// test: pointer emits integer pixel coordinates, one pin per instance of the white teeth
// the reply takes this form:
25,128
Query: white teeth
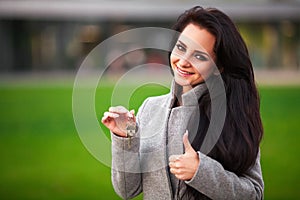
183,72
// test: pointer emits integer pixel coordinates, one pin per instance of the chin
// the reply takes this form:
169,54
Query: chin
182,82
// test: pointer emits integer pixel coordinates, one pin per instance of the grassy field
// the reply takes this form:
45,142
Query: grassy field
42,156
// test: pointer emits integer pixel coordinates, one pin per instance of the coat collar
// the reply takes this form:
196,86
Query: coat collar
190,98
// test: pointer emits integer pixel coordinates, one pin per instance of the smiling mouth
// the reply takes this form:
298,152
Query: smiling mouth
182,72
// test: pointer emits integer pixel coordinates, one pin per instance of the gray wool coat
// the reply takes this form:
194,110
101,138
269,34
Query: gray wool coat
140,164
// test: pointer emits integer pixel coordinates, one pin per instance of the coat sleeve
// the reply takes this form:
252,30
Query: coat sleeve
126,170
215,182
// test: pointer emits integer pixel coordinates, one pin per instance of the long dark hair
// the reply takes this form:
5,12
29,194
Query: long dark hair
238,145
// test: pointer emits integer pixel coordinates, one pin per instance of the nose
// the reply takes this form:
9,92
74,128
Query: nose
183,62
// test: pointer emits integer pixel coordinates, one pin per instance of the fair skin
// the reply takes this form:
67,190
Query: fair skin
109,117
191,57
192,64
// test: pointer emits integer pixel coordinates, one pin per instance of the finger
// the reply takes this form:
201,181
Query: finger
110,114
180,176
172,170
175,171
186,142
175,165
104,119
131,114
174,158
118,109
172,164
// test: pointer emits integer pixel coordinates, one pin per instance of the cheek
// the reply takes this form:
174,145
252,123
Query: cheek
206,69
173,60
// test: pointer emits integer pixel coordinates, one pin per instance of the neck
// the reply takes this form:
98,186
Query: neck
187,88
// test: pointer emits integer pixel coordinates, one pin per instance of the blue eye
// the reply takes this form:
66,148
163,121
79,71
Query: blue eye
180,47
201,57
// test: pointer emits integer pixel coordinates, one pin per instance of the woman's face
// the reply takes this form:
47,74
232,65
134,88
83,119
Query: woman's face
192,59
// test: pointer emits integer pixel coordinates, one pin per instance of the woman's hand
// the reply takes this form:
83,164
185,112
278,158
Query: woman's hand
115,121
184,166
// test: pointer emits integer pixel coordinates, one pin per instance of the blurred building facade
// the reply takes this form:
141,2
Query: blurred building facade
57,35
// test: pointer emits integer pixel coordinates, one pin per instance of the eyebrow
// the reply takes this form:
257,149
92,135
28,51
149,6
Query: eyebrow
198,51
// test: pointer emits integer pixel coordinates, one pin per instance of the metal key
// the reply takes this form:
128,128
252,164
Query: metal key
130,129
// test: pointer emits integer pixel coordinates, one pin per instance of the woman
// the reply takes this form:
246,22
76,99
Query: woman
159,159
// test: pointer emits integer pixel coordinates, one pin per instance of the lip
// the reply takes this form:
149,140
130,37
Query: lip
183,72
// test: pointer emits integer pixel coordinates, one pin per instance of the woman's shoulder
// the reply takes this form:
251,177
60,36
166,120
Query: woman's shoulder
156,102
154,105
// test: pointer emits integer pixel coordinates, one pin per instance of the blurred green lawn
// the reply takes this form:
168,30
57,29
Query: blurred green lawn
42,156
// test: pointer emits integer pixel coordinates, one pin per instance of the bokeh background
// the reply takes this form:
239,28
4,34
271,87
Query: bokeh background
42,45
